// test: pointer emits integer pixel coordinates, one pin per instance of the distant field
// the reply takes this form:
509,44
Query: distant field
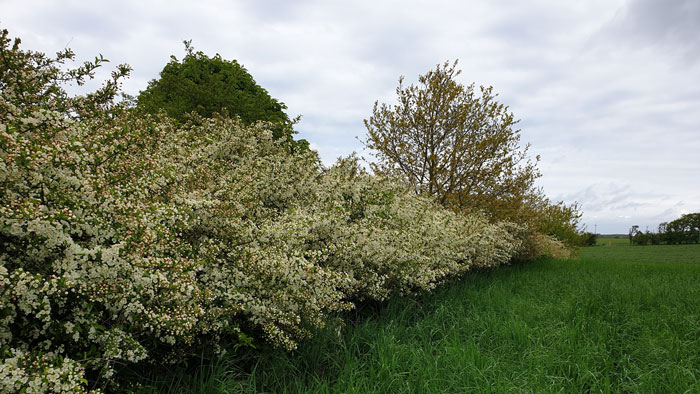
617,319
612,241
619,249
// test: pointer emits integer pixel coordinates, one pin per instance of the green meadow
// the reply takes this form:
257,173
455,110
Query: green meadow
619,249
618,318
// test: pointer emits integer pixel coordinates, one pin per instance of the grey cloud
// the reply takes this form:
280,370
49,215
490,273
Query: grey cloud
604,88
276,10
599,197
614,208
669,24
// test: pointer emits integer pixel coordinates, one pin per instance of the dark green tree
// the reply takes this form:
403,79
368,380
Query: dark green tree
207,85
632,232
685,229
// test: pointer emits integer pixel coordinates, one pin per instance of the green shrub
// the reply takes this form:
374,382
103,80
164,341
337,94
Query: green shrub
204,86
588,239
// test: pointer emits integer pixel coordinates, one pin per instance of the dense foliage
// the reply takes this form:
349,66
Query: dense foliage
460,146
449,141
129,239
589,239
684,230
208,85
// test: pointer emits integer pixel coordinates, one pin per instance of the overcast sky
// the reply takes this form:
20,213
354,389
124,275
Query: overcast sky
608,91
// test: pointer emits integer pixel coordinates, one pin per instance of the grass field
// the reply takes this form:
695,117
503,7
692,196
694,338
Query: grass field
619,249
616,319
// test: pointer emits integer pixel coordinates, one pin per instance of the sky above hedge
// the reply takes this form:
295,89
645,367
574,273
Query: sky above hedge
608,91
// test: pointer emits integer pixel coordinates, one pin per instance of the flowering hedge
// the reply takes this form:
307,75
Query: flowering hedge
126,240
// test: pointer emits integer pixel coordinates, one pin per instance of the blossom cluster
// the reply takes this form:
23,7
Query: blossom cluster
125,239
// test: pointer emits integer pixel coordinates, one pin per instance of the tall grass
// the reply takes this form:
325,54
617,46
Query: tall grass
605,322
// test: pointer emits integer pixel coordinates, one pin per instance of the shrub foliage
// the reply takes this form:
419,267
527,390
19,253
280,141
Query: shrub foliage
129,240
684,230
461,146
450,141
203,85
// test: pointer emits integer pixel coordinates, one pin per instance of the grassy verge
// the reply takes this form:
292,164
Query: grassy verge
617,319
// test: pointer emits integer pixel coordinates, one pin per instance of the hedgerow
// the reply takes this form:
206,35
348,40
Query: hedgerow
127,240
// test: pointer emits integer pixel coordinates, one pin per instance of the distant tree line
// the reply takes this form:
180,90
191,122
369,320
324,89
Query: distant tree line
684,230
